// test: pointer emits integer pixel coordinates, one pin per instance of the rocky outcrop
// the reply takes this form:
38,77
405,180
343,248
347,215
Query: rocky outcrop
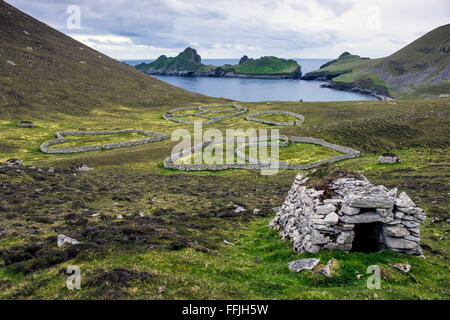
363,86
303,264
351,215
62,240
14,163
244,59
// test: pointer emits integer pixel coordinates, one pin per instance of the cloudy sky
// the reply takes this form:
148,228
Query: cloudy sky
144,29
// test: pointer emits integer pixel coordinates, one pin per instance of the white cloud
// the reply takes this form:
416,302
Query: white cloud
229,29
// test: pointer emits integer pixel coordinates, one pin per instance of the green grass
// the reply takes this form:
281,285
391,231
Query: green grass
415,131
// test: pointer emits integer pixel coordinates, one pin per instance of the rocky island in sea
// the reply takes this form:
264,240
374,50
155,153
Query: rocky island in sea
189,63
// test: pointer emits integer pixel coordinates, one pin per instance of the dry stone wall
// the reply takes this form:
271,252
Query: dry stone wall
314,222
204,110
60,139
300,118
253,163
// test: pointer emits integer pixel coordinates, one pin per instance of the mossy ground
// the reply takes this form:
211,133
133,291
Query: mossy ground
179,243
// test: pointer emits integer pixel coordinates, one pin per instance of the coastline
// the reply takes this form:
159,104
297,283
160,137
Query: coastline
353,88
293,76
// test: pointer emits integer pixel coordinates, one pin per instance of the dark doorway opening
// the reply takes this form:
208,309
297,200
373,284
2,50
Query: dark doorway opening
368,237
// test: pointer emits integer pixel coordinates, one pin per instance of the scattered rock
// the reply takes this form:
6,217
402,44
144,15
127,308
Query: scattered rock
51,169
11,62
303,264
161,289
388,159
84,168
62,240
256,211
228,242
12,163
329,268
403,267
239,209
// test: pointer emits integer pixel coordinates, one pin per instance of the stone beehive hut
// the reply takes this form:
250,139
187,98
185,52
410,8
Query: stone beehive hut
351,215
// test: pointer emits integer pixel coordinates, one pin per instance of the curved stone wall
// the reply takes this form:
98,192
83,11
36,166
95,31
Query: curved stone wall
241,153
253,117
178,118
256,164
60,139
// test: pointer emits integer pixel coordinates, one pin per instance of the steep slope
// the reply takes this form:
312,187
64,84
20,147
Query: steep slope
43,72
188,63
421,69
334,68
422,65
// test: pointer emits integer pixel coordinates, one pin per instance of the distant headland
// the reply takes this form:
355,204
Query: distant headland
189,63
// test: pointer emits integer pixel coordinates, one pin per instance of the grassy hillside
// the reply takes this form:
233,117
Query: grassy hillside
421,69
179,243
429,51
342,65
44,73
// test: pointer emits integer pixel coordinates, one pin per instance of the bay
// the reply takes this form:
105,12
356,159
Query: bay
248,90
